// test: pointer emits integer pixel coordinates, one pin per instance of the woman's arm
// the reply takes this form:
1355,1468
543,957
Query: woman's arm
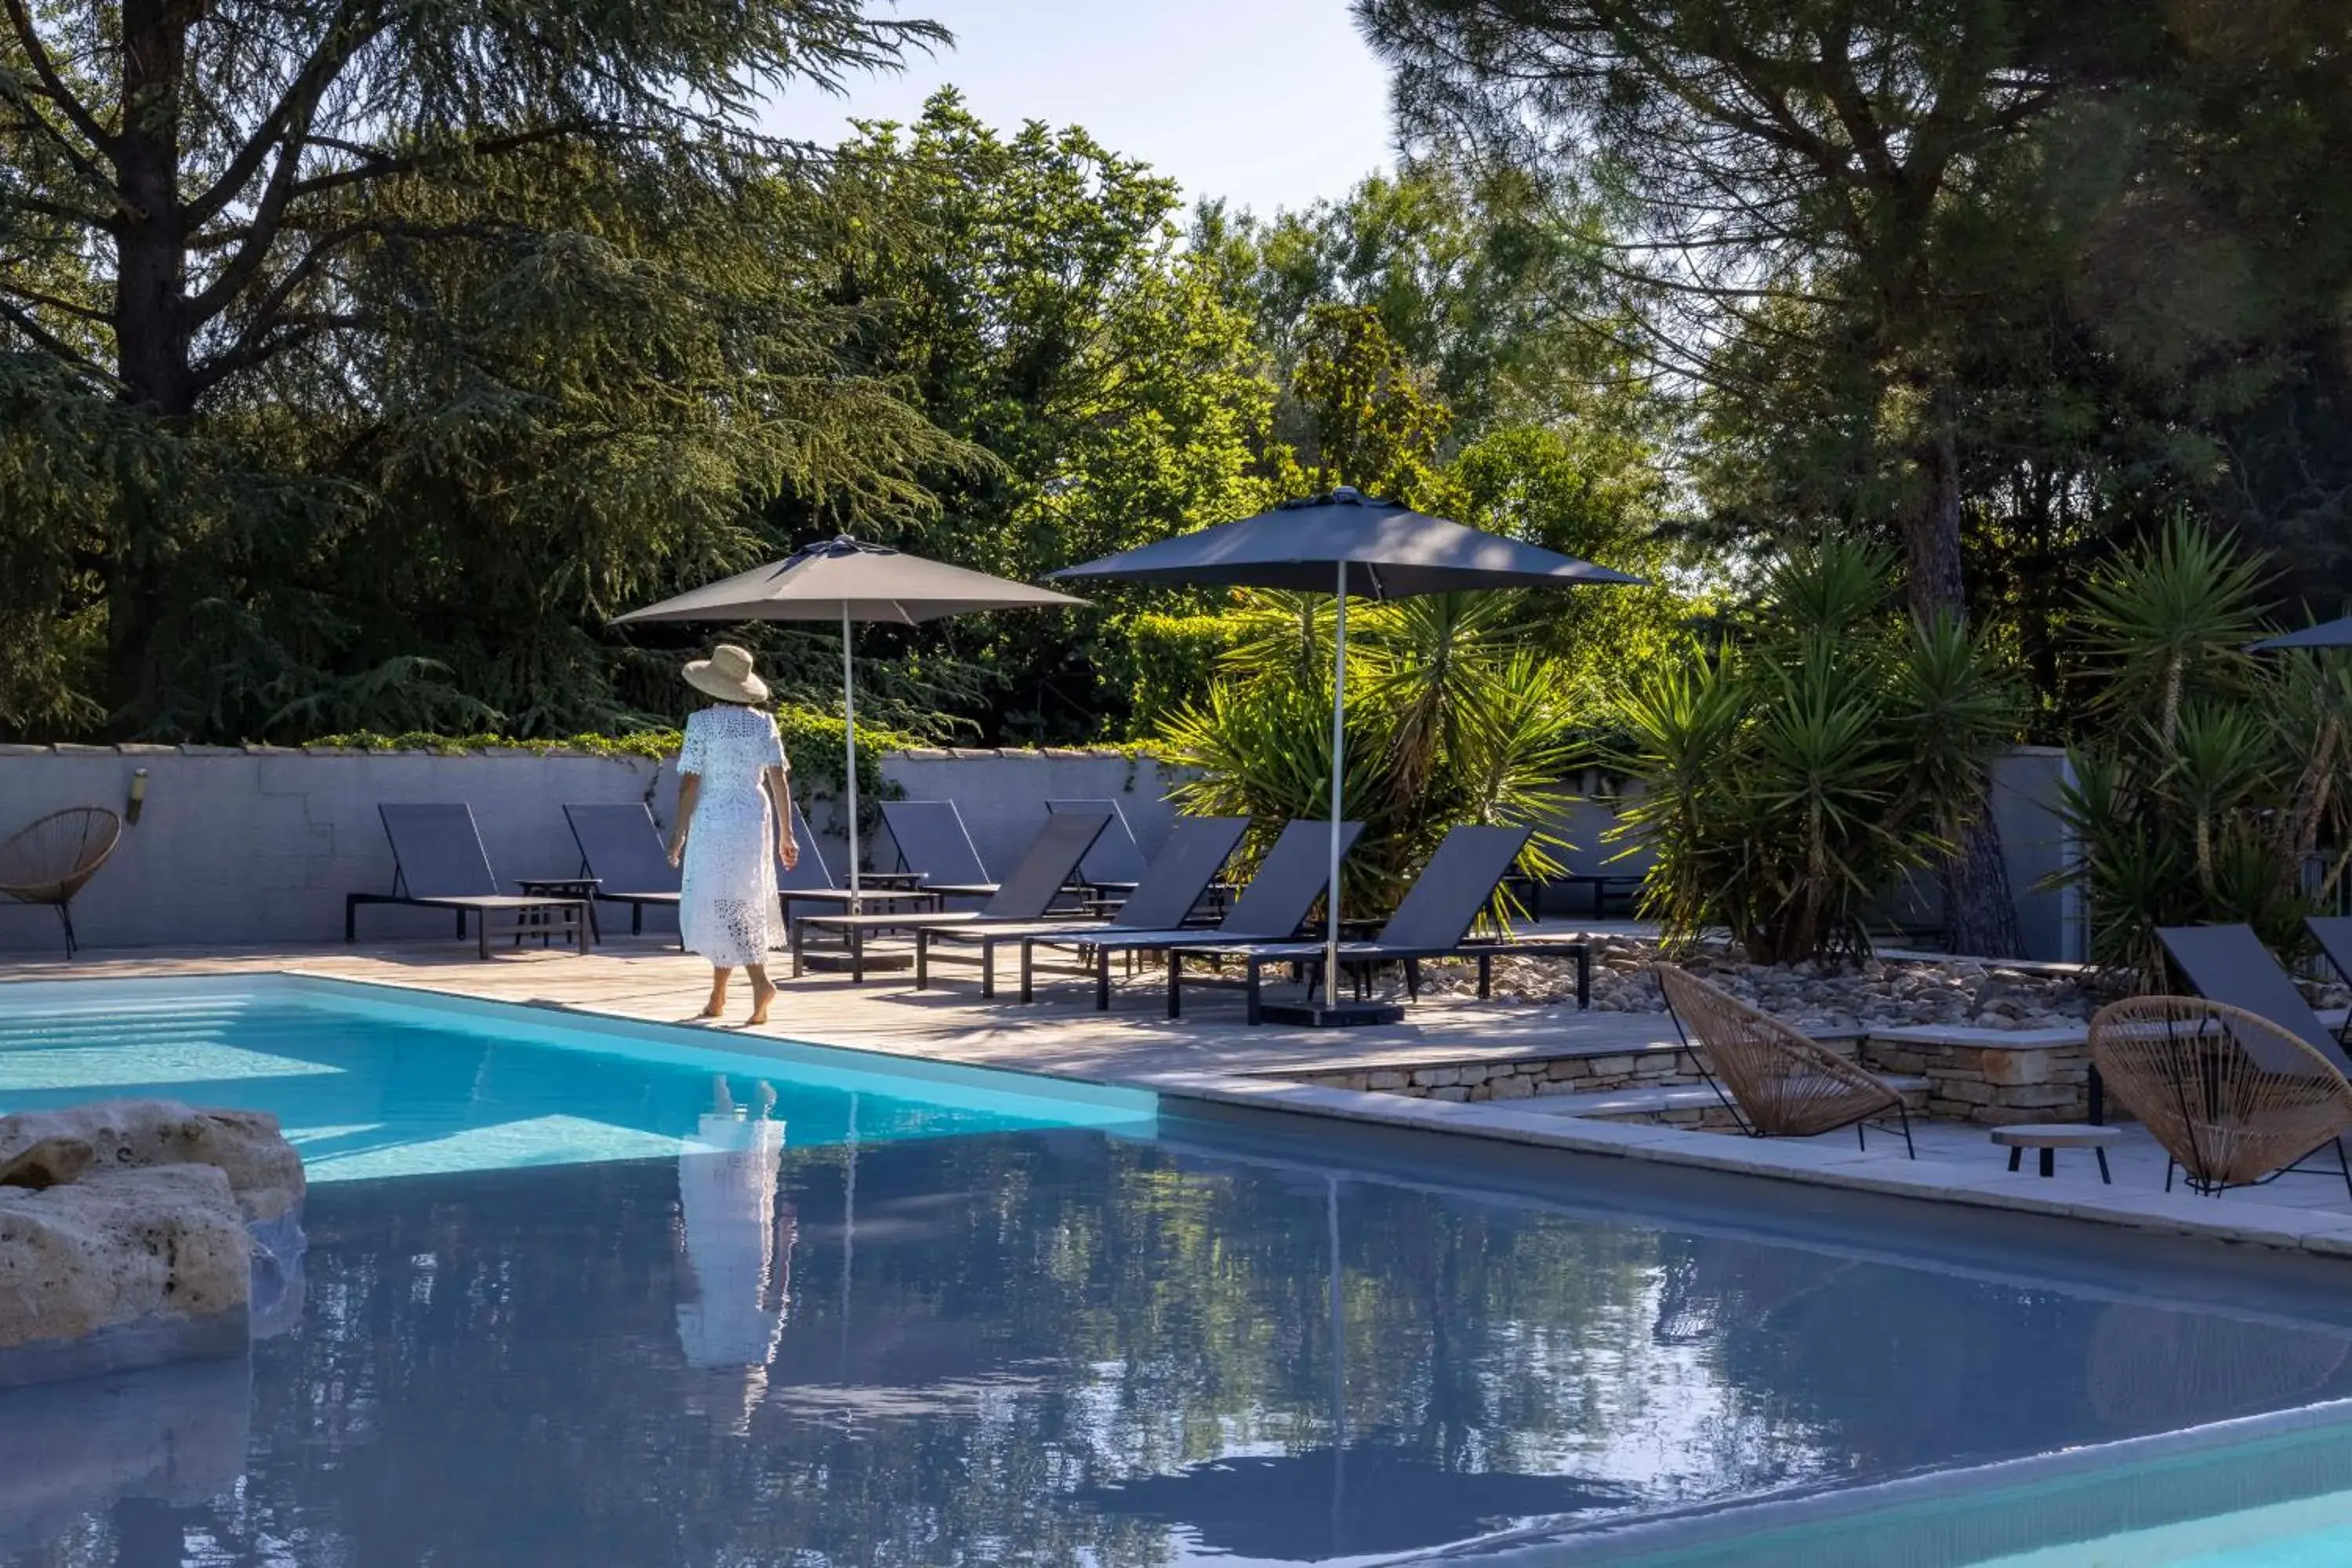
690,790
780,791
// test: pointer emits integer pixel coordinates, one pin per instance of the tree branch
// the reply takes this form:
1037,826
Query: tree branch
289,121
51,301
52,84
385,166
49,343
297,330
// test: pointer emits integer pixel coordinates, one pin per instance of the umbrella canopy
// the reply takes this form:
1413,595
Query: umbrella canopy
848,580
1389,552
2326,633
1346,544
846,577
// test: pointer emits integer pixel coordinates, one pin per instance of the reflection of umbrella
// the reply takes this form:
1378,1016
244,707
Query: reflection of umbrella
2326,633
735,1244
846,580
1349,543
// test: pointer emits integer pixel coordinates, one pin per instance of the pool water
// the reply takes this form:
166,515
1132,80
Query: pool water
924,1316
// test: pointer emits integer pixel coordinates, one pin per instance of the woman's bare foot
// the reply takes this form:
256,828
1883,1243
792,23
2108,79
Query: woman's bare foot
717,1005
762,993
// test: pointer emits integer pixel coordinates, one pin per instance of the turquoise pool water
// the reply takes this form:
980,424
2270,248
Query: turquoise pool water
372,1084
591,1293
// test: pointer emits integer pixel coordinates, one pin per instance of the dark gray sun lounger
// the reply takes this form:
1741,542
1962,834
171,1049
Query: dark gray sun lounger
1115,865
1044,871
2334,935
1278,898
438,863
2229,964
1432,921
931,842
810,882
621,848
1164,897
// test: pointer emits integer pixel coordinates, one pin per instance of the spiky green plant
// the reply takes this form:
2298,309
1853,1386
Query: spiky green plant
1794,778
2213,783
1449,722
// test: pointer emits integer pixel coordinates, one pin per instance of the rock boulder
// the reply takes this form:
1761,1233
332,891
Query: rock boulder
42,1149
122,1269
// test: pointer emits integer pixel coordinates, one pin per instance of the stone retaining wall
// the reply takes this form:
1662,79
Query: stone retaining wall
2042,1077
1975,1075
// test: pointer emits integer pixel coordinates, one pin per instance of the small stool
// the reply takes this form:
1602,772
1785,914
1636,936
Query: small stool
2052,1136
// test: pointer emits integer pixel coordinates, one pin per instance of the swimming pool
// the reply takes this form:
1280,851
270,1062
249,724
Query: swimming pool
567,1304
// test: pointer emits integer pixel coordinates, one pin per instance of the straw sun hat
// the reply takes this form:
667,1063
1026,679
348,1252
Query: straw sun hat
727,675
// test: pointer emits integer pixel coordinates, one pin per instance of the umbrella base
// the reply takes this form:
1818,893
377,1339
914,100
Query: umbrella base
1332,1015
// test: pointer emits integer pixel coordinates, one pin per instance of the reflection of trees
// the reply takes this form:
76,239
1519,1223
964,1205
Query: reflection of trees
491,1370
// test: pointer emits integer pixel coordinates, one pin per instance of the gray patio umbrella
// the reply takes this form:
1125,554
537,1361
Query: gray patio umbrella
2326,633
848,580
1346,544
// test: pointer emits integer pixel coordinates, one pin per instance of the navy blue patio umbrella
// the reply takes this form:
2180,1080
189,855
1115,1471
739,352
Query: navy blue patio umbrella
1346,544
2326,633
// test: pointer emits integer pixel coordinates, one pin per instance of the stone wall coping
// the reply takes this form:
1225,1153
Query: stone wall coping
1983,1039
135,748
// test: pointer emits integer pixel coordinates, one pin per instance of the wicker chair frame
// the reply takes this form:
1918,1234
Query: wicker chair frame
1775,1082
48,860
2232,1099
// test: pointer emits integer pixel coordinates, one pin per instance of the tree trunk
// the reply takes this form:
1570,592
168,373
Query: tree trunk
151,342
1979,917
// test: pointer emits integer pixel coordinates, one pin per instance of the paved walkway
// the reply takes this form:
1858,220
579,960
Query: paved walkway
1212,1055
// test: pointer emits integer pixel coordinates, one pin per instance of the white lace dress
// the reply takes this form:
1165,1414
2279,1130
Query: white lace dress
727,900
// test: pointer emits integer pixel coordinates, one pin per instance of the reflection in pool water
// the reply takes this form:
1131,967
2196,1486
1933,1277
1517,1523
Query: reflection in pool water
1065,1347
856,1317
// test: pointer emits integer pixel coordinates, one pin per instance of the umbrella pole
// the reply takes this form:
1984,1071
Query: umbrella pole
1338,760
849,749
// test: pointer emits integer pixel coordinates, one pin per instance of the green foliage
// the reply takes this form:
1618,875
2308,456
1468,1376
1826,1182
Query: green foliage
2212,781
426,335
813,742
1047,314
1449,720
1794,778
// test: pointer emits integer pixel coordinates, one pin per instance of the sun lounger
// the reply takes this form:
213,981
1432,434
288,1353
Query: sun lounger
438,863
1278,899
1170,886
621,846
1025,895
2229,964
1432,921
2334,935
1114,866
931,842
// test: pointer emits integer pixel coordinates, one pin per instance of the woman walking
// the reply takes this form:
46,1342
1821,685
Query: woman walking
734,805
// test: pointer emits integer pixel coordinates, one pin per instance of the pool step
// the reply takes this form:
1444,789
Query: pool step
1679,1105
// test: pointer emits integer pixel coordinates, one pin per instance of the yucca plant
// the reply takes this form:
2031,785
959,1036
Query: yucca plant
2213,781
1449,722
1797,775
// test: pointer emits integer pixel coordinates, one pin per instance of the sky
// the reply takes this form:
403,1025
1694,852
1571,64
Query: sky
1267,103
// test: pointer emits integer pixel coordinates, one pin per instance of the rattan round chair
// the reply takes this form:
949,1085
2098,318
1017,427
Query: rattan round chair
48,861
2232,1097
1775,1082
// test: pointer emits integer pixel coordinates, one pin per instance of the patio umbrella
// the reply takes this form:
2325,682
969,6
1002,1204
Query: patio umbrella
1346,544
2326,633
848,580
